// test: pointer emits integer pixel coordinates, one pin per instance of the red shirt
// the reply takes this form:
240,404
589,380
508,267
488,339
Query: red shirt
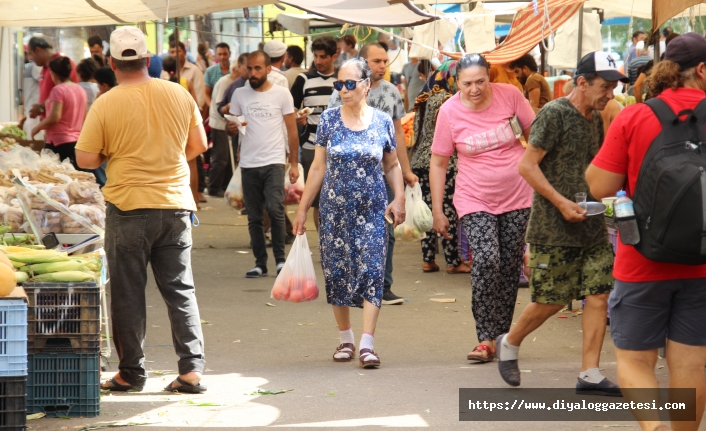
626,144
46,83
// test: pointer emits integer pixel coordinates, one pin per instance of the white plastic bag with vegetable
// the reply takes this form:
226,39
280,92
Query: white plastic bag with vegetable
297,280
407,231
422,216
293,192
234,192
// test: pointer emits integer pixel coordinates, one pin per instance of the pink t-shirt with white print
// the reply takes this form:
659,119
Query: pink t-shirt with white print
489,154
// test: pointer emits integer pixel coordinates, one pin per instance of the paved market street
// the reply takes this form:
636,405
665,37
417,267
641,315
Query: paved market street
253,346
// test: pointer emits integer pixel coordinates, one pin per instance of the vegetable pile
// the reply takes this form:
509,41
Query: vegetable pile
31,263
6,144
14,130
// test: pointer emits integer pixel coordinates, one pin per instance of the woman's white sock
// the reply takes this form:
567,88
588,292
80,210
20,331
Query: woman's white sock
366,342
347,336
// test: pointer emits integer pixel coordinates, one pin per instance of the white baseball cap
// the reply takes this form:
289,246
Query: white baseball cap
128,38
601,63
275,48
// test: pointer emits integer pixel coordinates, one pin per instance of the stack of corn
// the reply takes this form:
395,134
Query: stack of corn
52,266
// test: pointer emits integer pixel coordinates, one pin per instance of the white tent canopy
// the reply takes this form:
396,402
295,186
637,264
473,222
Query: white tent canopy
303,23
643,9
57,13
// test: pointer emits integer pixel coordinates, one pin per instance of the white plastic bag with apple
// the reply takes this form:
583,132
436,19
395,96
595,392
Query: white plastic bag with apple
297,280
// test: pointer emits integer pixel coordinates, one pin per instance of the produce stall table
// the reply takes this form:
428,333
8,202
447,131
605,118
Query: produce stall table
87,243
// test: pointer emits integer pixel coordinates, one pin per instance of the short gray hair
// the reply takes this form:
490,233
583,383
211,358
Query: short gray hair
360,65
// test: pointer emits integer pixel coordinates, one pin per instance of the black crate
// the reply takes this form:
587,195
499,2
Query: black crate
63,317
13,407
64,384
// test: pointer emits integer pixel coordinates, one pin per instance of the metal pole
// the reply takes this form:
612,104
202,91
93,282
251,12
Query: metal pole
580,44
543,55
262,22
176,44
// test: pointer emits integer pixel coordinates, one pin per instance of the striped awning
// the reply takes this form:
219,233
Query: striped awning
528,28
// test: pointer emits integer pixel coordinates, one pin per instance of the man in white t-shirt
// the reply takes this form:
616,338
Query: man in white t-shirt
219,167
267,108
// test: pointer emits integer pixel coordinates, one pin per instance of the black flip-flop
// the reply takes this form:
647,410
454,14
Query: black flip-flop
186,388
115,386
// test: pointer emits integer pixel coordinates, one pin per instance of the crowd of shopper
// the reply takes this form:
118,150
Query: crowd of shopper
498,162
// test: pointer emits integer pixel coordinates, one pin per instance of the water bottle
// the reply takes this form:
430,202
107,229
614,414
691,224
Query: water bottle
625,217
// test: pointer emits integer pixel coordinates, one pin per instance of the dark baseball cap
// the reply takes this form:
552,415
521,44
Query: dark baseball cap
687,50
603,64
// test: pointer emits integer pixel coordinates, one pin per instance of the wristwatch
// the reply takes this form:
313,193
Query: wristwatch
41,109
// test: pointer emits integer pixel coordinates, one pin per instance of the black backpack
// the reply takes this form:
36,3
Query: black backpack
670,195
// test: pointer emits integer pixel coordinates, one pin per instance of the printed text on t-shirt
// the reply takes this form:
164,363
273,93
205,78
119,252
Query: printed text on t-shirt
486,141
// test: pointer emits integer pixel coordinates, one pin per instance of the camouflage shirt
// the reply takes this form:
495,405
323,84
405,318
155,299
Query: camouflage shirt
571,141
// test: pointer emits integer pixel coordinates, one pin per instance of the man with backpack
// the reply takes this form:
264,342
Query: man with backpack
656,151
570,256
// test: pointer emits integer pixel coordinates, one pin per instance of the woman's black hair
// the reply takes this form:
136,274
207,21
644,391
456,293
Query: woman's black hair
360,65
105,75
169,65
470,60
86,68
61,66
424,66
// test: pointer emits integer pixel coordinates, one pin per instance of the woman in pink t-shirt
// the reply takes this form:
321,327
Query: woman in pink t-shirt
65,113
492,200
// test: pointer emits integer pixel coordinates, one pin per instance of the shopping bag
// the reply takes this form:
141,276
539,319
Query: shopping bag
422,216
408,231
293,192
234,192
297,280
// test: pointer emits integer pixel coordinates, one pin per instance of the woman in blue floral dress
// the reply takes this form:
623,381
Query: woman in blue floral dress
355,142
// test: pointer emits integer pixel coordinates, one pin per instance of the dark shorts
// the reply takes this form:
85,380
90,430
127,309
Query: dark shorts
644,315
559,275
307,160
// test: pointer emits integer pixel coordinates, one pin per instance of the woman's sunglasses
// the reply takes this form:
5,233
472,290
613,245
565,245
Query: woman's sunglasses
349,84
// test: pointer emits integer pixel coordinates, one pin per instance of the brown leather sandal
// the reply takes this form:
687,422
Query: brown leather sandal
430,267
346,348
460,269
477,354
364,353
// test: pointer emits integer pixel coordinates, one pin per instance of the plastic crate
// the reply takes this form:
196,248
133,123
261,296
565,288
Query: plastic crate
13,337
63,317
64,384
13,408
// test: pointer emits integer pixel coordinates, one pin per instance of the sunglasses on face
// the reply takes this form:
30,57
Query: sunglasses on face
349,84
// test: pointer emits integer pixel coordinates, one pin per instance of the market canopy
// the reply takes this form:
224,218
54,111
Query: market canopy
58,13
529,28
662,10
301,23
659,11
